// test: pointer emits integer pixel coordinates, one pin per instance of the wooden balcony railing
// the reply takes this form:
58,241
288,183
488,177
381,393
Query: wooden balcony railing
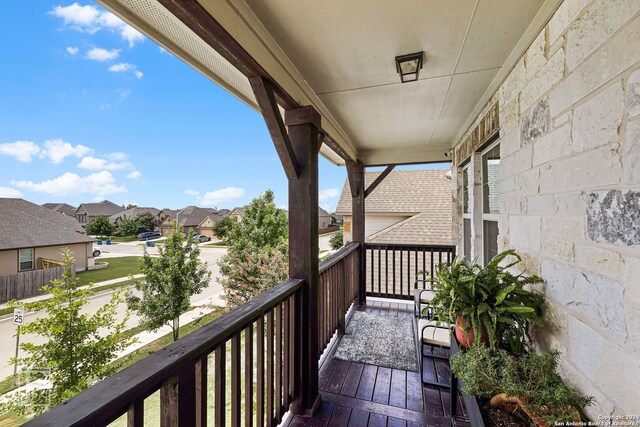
392,269
252,353
338,290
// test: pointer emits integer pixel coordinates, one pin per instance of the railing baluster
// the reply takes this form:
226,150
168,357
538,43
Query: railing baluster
187,395
415,262
248,376
401,267
270,369
135,414
260,371
431,256
393,253
236,392
169,403
221,385
201,390
279,362
286,354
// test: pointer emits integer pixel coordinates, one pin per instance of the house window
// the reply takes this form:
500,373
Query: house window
490,202
82,218
465,190
25,259
466,231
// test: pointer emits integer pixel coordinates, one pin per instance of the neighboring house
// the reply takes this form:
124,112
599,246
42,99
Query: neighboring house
132,213
409,206
166,215
237,213
200,220
336,219
324,219
87,211
31,235
62,208
224,212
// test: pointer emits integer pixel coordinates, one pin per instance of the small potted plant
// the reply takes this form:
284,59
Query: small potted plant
489,305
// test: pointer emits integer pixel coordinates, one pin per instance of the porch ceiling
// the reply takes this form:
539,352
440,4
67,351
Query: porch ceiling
339,57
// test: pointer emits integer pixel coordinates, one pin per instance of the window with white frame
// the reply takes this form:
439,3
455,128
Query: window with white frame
466,212
490,201
25,259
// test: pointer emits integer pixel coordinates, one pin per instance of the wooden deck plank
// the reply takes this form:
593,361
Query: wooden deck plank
432,401
325,373
383,386
340,417
322,417
352,380
367,382
396,422
377,420
398,394
334,385
358,418
414,392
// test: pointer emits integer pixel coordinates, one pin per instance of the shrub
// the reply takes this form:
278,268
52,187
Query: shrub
336,240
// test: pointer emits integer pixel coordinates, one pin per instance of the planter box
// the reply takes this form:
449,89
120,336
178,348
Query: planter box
474,416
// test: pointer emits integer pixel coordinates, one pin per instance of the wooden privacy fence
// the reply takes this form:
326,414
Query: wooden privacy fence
338,289
392,269
28,283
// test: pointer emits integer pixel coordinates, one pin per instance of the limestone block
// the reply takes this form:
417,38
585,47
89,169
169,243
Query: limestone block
510,115
614,217
514,83
517,162
562,119
632,282
510,183
553,145
564,17
595,168
531,182
602,260
534,57
632,315
542,205
572,203
576,379
596,122
537,122
599,22
617,376
565,226
631,154
524,232
510,202
509,143
544,80
633,95
558,248
586,347
615,56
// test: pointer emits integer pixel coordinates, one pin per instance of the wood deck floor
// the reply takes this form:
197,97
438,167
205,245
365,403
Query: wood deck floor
356,394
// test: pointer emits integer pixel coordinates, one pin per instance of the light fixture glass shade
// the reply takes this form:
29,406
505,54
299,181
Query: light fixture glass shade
408,66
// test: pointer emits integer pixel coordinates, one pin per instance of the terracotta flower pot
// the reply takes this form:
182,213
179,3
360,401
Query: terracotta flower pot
466,338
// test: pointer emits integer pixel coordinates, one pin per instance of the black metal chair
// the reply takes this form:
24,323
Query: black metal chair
422,297
434,335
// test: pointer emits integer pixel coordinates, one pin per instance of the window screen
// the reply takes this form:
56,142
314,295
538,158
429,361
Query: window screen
491,180
466,225
490,240
25,259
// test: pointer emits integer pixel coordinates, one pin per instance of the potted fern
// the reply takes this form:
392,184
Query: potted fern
487,304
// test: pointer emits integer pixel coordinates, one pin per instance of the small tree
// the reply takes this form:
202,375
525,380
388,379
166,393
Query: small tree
336,240
169,283
257,256
223,227
146,222
78,348
99,226
127,226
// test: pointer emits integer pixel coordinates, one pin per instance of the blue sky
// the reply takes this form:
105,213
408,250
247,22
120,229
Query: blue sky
93,110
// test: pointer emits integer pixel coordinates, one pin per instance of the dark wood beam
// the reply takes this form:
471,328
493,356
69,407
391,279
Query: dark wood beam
378,180
355,175
303,125
264,93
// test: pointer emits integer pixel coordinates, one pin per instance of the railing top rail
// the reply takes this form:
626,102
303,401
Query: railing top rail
408,246
110,398
335,258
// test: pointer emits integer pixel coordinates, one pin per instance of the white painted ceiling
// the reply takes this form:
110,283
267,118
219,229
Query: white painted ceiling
339,56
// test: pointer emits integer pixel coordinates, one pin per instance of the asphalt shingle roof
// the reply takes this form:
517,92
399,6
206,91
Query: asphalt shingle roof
61,208
104,207
26,225
132,213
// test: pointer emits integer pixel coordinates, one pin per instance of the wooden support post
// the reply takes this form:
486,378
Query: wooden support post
303,125
355,174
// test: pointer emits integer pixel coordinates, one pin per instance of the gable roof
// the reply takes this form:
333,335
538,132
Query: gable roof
433,227
132,213
62,208
25,225
403,191
192,216
322,212
104,207
224,212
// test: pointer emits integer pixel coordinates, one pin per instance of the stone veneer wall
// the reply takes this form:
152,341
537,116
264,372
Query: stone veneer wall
570,191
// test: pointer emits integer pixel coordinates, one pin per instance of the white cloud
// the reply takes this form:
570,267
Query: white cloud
123,67
327,194
90,19
100,184
73,51
192,192
117,156
212,198
23,151
9,192
57,150
100,54
98,164
134,175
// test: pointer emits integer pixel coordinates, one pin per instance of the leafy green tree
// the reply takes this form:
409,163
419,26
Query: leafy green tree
77,348
131,205
99,226
170,281
336,240
127,226
146,222
223,227
256,259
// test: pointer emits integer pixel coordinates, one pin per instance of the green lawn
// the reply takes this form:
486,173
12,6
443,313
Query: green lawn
118,267
119,239
216,245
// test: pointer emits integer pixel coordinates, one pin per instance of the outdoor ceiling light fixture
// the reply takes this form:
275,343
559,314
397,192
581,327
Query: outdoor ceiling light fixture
408,66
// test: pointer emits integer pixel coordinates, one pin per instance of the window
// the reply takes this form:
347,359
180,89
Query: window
25,259
490,202
82,218
466,231
465,190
